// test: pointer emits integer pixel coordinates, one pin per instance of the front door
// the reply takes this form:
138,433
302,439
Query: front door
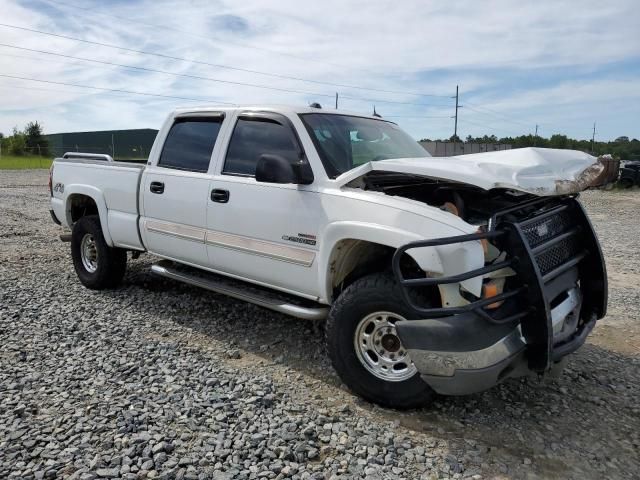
263,232
176,191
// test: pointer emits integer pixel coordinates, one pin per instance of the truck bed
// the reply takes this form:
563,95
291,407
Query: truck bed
114,187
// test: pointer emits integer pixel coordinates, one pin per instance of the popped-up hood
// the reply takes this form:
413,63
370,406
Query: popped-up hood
541,171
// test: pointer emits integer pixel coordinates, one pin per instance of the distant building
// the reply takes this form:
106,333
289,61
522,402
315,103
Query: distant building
449,149
123,144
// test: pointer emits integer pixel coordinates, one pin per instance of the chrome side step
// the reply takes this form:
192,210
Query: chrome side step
239,290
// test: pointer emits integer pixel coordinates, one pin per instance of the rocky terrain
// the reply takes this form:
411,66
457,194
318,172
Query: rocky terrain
162,380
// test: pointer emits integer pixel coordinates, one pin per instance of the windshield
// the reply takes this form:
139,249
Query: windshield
345,142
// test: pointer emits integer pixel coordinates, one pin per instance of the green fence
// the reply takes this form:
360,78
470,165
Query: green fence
120,144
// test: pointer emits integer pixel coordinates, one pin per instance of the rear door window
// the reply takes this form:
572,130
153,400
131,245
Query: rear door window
190,143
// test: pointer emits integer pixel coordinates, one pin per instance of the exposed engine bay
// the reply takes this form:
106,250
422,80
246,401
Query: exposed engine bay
473,204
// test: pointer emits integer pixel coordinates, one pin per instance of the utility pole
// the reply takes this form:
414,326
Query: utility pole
535,138
113,147
593,138
455,128
336,100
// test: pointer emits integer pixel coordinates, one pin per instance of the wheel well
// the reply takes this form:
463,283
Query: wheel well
81,206
352,259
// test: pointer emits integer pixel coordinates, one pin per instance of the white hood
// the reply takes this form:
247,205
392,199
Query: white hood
541,171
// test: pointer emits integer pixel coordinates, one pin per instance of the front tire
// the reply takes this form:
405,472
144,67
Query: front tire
363,346
626,183
97,265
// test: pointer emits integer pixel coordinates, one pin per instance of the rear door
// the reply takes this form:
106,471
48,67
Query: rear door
176,190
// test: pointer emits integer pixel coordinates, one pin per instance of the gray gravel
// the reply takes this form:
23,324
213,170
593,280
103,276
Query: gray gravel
161,380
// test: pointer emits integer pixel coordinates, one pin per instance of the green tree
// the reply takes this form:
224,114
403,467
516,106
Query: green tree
17,143
558,141
36,144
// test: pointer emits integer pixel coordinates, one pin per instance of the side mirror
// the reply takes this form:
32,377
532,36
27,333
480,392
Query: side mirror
277,169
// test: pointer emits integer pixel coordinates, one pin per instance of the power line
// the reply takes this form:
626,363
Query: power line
118,90
253,85
490,127
58,90
40,59
508,117
196,77
165,72
475,107
23,87
216,65
50,60
417,116
138,22
395,102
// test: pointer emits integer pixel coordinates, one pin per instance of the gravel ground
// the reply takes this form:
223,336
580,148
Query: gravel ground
162,380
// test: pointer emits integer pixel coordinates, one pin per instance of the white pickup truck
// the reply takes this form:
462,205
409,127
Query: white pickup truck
443,275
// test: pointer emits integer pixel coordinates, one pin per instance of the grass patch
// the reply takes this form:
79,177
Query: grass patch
10,162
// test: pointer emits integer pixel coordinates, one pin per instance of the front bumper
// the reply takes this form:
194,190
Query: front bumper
547,311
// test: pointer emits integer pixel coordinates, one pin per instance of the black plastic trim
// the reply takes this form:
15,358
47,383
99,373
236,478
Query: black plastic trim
555,240
564,267
458,333
575,342
54,218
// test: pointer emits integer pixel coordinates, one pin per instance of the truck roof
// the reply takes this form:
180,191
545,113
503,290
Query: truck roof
288,109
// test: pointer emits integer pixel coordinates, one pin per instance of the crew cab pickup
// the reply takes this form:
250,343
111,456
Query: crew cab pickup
442,275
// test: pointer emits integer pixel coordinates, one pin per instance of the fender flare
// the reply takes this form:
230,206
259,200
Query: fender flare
427,258
97,196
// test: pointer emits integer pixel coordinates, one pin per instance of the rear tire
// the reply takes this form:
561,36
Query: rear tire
373,303
97,265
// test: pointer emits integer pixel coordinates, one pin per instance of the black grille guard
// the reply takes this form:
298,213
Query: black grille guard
549,250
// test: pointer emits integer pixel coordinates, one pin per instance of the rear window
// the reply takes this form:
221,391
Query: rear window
190,143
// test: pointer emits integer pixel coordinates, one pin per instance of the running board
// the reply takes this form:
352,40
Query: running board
262,297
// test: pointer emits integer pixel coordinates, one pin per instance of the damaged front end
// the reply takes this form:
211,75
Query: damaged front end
602,172
545,305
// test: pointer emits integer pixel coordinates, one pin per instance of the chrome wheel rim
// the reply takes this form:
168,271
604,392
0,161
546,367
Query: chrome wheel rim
380,350
89,253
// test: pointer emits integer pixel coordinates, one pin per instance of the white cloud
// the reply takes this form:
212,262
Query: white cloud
409,46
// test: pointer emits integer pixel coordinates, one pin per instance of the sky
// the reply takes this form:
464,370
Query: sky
557,64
